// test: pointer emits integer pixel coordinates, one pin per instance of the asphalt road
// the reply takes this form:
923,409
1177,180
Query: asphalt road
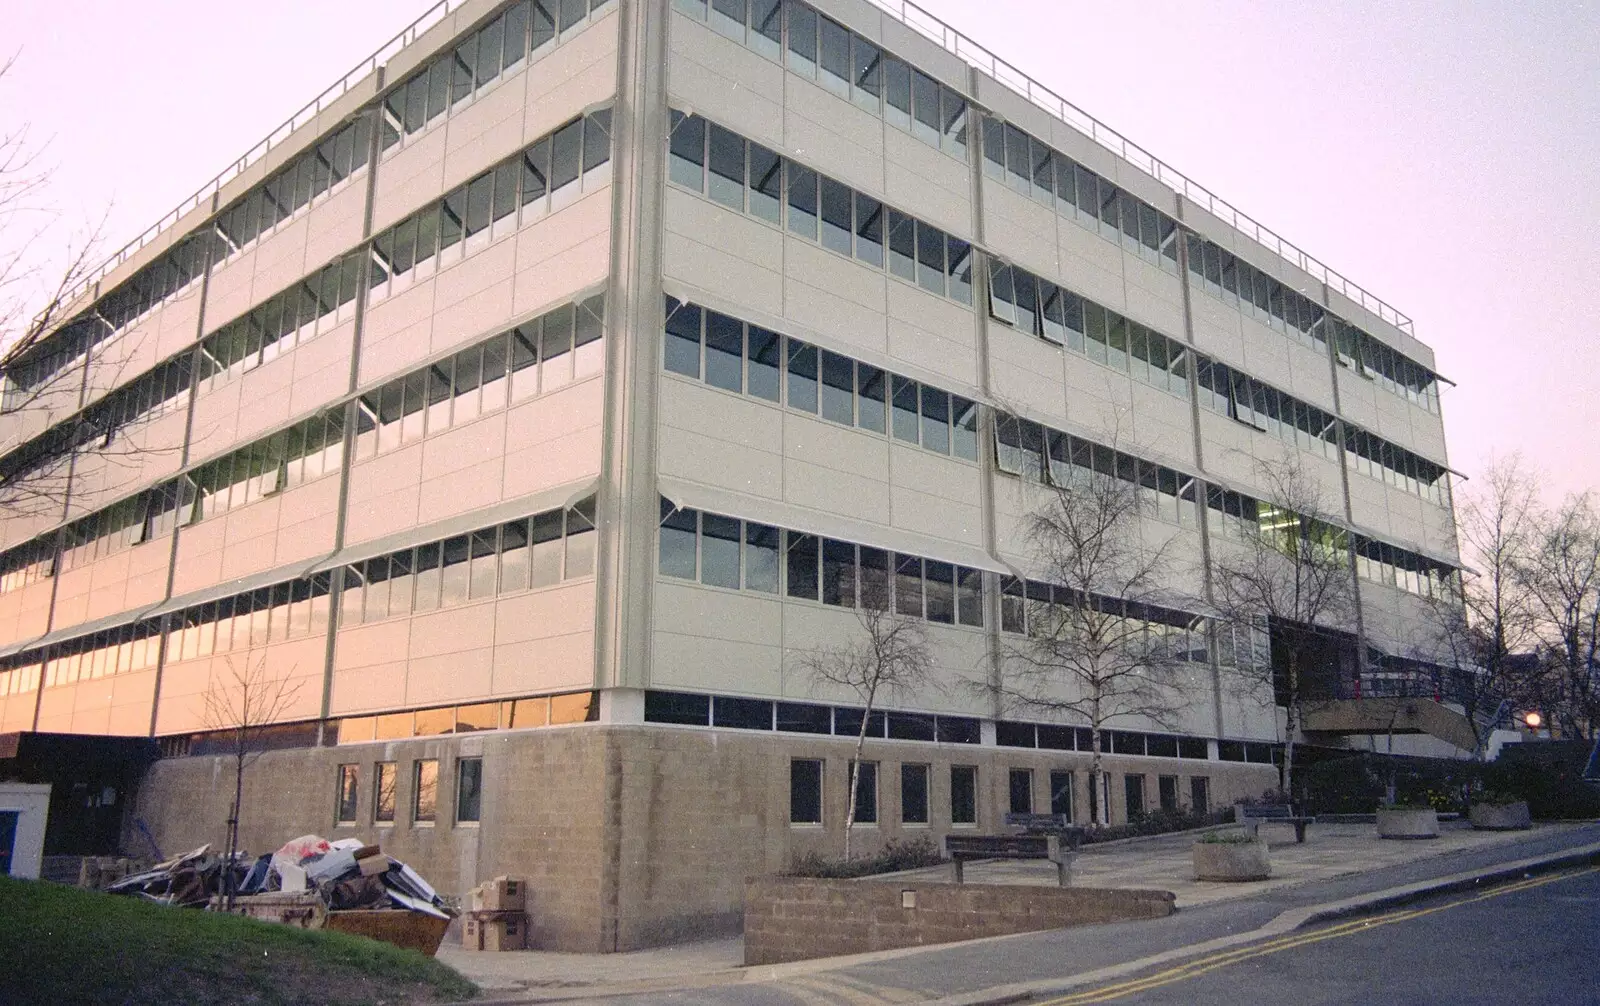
1533,941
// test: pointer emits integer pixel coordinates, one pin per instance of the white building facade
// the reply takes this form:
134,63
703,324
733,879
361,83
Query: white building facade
538,399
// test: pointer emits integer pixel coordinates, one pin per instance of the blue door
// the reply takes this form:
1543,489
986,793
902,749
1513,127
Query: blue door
8,838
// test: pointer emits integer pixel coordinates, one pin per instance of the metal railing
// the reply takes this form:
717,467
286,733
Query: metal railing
311,110
955,42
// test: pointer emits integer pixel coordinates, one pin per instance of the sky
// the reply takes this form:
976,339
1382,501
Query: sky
1443,155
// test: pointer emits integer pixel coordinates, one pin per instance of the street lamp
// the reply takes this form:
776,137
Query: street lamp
1533,720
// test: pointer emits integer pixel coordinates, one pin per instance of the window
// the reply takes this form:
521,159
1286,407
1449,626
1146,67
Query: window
349,787
469,790
913,794
1133,788
1021,791
866,792
424,790
963,794
383,793
820,209
1167,792
1061,793
805,791
1200,794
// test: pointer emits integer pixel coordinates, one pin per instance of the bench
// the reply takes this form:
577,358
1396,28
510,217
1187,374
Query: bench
1252,816
1056,848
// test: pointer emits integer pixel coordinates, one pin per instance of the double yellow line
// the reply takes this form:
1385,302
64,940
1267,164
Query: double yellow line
1214,962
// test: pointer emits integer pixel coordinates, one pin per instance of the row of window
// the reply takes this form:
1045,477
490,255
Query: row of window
312,306
537,357
730,354
27,563
1393,465
305,451
312,175
508,714
1258,295
1040,454
1055,737
806,803
496,50
161,390
743,555
820,49
275,614
731,713
531,552
1078,194
119,526
1229,392
1034,608
1393,566
113,651
515,192
749,178
1059,316
424,806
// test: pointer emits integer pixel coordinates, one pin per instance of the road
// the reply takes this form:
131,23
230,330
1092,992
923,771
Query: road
1532,941
1536,944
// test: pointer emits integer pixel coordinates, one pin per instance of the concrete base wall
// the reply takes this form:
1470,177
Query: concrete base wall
792,920
628,836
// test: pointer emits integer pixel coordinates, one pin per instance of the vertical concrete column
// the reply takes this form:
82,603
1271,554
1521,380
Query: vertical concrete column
627,508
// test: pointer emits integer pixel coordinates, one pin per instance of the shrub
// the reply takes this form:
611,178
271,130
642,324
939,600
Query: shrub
1227,838
1156,822
895,856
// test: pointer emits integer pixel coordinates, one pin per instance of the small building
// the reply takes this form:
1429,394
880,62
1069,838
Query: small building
24,814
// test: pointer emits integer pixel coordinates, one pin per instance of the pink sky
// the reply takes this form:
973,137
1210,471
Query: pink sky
1441,155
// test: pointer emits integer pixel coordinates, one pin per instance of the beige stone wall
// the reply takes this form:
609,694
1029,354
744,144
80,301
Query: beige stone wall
628,836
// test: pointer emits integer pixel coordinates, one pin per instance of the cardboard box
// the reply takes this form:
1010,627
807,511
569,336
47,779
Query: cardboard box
503,894
374,865
495,931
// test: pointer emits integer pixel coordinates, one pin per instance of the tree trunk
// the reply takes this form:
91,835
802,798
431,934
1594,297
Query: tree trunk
1291,724
228,879
855,782
1098,811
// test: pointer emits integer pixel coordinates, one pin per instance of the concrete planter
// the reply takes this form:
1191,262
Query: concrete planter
1231,861
1500,816
1407,822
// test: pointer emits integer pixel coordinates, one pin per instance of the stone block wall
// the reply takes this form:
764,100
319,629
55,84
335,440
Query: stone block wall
789,919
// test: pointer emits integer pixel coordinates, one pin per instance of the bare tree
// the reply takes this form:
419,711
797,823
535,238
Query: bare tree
43,268
890,657
1100,648
1562,575
1292,570
1482,622
240,706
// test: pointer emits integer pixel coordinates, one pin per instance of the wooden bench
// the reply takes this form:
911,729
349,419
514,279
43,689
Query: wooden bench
1252,816
1056,848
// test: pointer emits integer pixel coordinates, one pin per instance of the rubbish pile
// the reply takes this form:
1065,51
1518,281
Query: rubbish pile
343,875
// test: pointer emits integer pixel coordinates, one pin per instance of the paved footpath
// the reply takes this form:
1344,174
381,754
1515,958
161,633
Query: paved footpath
1340,869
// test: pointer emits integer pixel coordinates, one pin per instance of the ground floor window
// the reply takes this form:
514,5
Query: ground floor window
425,790
1061,794
805,791
1167,792
963,794
469,790
1021,791
1134,787
383,788
867,793
349,788
1200,794
914,794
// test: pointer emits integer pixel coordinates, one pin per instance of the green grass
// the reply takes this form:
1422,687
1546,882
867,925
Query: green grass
61,945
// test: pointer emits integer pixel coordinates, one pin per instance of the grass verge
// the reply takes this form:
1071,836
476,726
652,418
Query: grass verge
63,945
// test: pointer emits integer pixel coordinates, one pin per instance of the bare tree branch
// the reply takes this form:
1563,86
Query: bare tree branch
888,659
1291,569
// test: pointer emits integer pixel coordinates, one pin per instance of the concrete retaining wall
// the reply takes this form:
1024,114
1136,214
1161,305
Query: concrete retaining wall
788,919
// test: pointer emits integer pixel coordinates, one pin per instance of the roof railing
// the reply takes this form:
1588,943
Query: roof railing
312,109
953,41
